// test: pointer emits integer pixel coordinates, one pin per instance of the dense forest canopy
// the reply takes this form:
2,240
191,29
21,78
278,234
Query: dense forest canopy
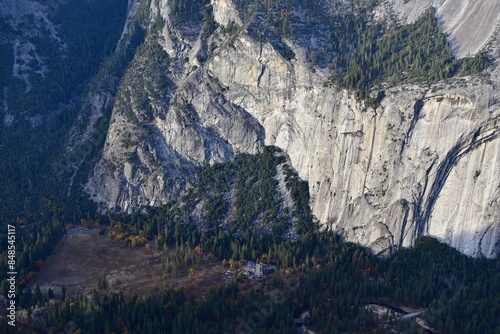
42,108
317,272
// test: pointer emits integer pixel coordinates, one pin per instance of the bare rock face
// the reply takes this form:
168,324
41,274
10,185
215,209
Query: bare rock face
225,12
425,162
166,123
378,175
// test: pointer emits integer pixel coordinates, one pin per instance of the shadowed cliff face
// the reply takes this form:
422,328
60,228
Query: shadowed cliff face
426,161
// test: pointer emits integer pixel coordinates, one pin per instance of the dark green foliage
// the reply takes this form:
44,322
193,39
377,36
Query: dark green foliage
256,187
36,236
256,199
216,208
144,83
288,53
299,191
6,63
332,281
430,274
259,220
185,12
476,64
170,312
91,31
361,52
230,29
371,53
460,290
274,21
210,23
42,116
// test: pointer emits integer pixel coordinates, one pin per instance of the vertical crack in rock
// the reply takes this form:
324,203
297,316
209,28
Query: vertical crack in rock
417,107
480,243
263,69
374,132
420,225
404,222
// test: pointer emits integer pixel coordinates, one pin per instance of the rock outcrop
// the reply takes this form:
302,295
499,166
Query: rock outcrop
426,161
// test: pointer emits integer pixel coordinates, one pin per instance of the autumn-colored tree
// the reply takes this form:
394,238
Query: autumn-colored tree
198,250
30,276
39,264
190,288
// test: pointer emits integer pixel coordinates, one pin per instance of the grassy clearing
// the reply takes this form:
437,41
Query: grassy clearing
82,259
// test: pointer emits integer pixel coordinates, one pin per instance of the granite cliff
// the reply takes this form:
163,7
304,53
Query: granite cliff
425,160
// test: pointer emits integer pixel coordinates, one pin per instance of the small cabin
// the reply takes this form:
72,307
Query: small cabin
258,269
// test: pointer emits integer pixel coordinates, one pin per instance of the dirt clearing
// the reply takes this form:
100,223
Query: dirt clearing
82,259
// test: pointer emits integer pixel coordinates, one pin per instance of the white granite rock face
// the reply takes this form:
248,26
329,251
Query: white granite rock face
225,12
426,162
376,175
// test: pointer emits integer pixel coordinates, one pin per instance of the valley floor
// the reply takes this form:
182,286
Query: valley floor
82,259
